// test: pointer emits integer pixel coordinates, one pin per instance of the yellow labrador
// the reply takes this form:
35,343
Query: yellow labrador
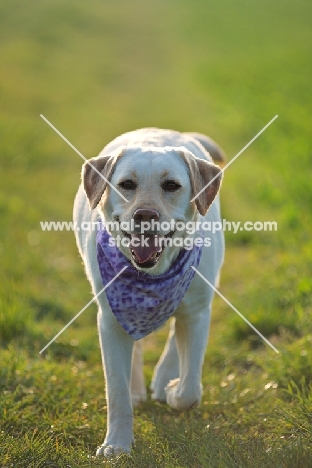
137,193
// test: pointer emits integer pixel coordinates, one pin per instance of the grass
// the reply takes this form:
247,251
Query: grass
96,70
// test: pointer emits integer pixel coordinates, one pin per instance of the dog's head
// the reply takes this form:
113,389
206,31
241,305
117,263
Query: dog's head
158,184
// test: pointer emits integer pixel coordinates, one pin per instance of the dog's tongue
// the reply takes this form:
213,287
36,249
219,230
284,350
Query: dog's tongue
144,246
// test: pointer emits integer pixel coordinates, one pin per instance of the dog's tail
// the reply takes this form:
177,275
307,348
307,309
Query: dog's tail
211,146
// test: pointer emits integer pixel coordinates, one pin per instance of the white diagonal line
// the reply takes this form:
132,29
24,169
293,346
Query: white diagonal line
82,156
235,310
235,157
82,310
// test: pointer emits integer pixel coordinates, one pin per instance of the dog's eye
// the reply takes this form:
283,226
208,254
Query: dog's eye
170,186
127,185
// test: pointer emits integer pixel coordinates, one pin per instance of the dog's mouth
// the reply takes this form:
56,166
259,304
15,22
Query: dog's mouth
146,249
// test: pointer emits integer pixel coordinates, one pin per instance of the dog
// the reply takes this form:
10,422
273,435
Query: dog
150,177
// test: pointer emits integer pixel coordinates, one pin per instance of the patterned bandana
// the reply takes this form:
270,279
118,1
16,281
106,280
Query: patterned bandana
142,303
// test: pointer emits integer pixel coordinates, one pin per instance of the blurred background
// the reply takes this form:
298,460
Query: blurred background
99,68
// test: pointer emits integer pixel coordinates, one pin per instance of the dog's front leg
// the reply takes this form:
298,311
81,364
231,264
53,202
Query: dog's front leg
116,348
191,334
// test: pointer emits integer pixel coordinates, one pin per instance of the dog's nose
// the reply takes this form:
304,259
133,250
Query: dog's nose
145,215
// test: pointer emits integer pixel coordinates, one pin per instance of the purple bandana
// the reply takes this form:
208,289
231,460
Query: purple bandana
141,303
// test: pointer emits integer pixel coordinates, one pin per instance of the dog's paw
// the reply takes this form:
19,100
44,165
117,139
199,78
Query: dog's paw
159,384
111,451
180,399
160,396
137,398
158,392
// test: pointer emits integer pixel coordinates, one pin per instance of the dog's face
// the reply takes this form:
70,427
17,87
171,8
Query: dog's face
158,184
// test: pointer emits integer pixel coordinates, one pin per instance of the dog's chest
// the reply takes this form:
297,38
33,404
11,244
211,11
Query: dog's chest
142,303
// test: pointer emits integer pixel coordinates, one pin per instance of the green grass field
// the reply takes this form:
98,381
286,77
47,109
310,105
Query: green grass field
96,69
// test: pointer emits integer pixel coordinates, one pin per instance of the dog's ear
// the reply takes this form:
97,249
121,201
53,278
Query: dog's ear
205,180
96,173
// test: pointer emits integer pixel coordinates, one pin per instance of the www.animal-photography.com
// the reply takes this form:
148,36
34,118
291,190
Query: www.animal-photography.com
155,241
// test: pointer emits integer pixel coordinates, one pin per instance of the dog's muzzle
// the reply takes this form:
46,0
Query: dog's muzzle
146,248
